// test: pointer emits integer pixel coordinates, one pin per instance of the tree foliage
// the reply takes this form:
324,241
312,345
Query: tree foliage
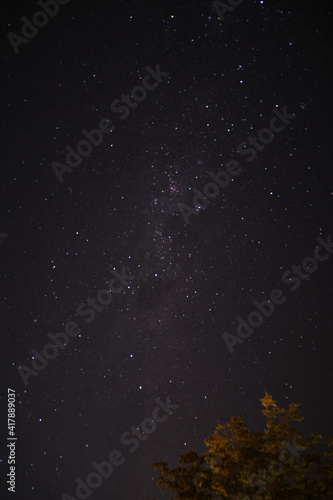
239,464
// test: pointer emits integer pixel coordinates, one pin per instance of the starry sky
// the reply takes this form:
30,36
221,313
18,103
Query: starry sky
162,335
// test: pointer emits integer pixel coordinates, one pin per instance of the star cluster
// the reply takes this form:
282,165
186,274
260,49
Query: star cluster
162,335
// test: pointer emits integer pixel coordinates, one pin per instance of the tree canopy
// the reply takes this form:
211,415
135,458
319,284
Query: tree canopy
239,464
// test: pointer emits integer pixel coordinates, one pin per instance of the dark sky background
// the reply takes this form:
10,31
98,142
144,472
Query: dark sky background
162,336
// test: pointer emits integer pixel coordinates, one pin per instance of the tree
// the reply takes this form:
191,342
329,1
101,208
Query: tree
240,464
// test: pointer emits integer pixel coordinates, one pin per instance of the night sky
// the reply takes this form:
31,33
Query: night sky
246,99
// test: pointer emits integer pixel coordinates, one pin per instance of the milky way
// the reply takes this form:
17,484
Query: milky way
162,335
